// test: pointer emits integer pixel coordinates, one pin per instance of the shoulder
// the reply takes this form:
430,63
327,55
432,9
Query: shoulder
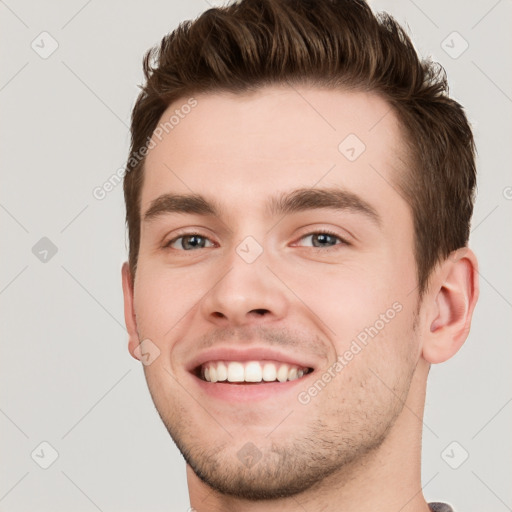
440,507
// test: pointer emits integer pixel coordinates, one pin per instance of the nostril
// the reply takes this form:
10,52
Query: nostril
260,311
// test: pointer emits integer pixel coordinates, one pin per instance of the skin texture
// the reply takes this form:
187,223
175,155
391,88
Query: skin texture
356,444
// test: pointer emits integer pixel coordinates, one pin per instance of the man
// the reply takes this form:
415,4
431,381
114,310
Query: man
299,193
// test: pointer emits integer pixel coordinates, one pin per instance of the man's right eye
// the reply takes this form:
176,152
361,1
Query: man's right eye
189,241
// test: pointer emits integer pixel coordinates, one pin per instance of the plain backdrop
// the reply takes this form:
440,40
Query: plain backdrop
66,377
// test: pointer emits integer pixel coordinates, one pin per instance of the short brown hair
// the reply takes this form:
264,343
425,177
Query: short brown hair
339,44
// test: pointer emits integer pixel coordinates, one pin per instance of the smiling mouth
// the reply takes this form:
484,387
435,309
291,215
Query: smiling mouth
249,372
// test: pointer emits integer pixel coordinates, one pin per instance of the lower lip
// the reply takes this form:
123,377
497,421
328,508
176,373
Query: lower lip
248,392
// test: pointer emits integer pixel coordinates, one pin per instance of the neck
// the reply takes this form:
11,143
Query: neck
386,479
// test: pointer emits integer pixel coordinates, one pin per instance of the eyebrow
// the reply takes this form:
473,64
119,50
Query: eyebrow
299,200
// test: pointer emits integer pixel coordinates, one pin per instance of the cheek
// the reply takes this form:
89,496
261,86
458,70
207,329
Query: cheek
347,300
162,300
366,313
378,359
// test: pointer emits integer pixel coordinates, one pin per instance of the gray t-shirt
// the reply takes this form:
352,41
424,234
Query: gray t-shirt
440,507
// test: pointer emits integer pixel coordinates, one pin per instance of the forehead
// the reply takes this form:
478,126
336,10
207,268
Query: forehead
245,147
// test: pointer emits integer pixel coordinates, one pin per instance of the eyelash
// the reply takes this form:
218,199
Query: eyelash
320,232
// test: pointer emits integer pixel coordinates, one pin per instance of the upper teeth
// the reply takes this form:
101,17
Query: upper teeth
250,371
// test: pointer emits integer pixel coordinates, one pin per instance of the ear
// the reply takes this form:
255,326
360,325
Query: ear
453,293
129,311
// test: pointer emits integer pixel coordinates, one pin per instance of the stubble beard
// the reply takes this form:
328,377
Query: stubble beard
318,452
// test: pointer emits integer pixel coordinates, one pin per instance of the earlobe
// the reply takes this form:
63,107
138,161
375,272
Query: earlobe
454,294
129,310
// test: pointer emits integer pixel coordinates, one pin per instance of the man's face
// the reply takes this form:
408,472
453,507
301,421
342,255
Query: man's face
308,285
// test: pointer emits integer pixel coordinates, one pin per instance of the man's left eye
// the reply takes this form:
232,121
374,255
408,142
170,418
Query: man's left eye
324,239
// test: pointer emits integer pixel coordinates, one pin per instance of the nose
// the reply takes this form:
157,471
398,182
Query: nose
245,293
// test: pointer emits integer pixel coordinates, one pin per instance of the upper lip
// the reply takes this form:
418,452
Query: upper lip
247,354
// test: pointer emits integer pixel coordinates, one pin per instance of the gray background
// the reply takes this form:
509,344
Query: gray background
66,376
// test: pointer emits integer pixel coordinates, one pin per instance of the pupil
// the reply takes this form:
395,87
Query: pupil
324,237
192,241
